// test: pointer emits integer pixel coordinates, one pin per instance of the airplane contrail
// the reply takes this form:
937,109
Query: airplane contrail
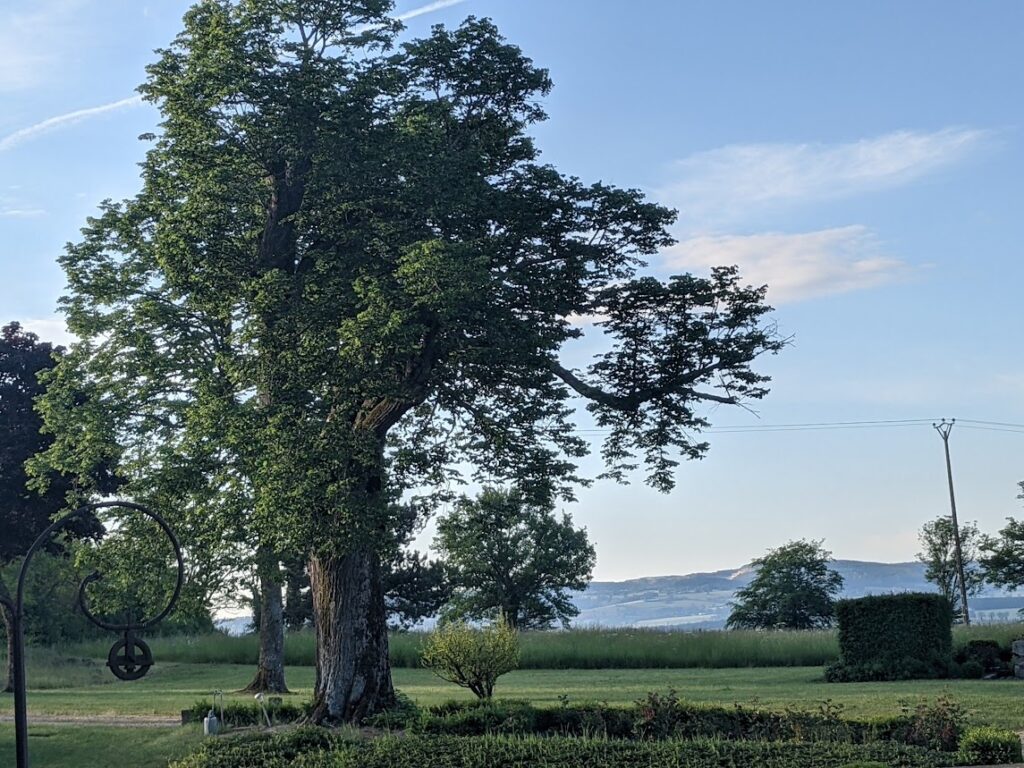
70,118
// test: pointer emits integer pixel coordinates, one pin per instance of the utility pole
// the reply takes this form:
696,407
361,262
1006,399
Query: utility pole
944,428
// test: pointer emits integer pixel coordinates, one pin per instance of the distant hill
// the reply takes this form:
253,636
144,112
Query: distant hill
701,600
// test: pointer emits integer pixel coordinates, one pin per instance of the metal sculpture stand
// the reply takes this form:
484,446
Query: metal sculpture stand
129,658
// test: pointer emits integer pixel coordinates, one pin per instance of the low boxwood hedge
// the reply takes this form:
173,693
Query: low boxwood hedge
989,746
314,749
935,725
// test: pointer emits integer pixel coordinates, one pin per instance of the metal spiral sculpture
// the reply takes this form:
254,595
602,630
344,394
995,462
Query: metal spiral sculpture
129,658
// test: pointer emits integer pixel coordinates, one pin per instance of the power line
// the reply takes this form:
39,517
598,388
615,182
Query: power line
993,423
993,429
996,426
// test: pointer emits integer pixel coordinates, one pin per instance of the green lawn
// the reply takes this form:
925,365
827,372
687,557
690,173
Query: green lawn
74,746
170,687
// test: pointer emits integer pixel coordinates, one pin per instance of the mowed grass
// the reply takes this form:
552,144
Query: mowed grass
574,649
169,688
74,746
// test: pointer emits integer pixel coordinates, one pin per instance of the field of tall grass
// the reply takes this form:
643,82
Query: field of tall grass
572,649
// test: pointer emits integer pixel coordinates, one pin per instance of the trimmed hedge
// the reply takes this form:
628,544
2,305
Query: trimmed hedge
989,746
936,726
893,637
307,748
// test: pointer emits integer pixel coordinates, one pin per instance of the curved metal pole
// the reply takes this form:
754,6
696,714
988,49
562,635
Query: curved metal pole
17,608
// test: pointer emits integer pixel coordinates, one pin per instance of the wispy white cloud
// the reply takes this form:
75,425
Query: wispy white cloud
33,36
62,121
438,5
21,213
728,183
428,8
52,329
794,266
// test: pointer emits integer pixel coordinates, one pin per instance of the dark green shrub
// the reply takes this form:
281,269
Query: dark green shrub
972,670
260,750
658,716
934,725
300,750
991,656
989,746
587,720
893,637
481,718
404,714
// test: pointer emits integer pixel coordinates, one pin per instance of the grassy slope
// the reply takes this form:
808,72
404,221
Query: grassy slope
172,687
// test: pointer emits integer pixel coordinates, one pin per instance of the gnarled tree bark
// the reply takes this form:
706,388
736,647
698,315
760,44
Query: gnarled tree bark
353,676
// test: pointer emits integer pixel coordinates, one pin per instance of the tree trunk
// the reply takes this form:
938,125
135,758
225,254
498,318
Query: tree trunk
270,667
353,679
9,632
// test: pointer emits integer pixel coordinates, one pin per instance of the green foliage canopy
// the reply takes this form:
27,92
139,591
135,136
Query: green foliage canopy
1003,556
512,558
938,553
346,274
26,512
794,589
330,244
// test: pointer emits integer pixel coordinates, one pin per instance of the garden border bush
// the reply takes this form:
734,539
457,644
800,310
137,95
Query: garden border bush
309,748
935,725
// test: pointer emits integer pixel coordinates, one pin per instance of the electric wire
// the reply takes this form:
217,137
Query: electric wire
991,426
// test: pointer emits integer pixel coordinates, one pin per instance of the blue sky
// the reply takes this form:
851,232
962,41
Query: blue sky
866,160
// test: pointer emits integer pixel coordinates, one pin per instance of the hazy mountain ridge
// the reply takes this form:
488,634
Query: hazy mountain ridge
701,600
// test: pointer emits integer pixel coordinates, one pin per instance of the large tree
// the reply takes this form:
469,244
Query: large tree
1002,556
24,512
938,553
794,588
512,559
346,275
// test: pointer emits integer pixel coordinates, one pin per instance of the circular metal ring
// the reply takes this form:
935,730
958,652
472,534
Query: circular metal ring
129,658
83,600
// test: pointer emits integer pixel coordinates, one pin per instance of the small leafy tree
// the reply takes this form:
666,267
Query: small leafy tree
1003,556
938,553
472,658
794,589
512,557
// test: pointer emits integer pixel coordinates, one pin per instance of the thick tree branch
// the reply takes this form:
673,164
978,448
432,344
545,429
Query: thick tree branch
715,398
633,401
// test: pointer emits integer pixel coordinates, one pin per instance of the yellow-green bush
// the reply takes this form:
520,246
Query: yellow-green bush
470,657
